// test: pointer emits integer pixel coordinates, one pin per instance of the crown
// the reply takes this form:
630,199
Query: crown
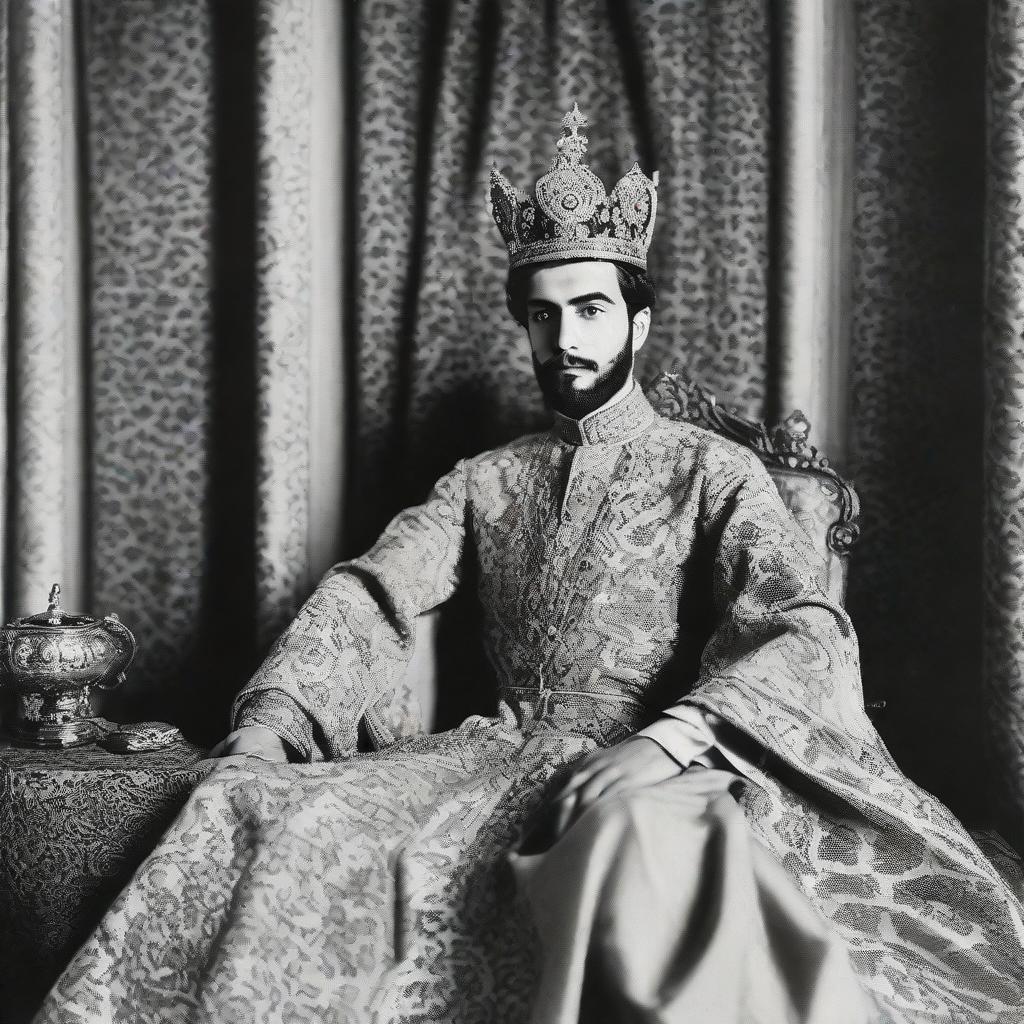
570,215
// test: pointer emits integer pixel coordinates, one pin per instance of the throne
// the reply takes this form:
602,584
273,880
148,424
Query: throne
823,504
819,499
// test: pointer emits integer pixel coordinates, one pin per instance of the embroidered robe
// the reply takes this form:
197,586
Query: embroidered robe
633,573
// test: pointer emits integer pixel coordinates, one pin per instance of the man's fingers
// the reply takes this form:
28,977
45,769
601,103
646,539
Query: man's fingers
240,750
570,806
607,773
225,744
564,813
584,773
579,776
585,790
595,787
260,754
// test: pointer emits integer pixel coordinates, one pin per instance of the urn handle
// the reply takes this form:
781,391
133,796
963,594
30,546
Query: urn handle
125,642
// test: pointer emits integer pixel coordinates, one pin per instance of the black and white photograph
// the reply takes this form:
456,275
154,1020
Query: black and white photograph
512,512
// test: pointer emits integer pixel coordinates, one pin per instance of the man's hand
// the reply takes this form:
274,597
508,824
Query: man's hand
635,762
253,741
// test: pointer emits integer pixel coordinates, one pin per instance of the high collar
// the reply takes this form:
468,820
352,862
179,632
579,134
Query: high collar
611,424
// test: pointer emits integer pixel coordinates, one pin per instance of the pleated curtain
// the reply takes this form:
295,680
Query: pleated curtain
43,519
254,300
1004,411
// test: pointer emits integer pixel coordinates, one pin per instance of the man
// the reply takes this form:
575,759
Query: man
700,821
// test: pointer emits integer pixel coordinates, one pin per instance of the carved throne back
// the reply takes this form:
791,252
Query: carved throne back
819,499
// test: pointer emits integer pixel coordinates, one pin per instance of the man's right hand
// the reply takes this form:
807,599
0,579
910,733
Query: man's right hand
252,741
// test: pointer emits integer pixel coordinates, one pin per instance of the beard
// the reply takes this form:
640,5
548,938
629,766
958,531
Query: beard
576,403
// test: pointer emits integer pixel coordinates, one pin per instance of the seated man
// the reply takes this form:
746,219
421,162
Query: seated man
680,811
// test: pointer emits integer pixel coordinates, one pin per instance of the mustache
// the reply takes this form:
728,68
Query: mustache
567,361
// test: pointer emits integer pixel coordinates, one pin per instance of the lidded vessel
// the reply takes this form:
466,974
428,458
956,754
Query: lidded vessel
50,662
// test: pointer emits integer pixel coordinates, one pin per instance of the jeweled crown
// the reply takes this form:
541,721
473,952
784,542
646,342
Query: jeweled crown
570,215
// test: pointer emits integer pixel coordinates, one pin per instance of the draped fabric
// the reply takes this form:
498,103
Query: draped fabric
1004,405
255,300
152,385
42,523
815,125
915,392
380,878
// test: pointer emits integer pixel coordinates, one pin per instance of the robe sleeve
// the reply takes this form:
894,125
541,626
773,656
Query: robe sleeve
342,660
684,734
780,645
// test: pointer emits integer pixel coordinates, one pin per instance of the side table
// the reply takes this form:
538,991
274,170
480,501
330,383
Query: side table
74,826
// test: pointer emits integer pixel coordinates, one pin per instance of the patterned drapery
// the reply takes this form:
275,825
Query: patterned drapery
295,314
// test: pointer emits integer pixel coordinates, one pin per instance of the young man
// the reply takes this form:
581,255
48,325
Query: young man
702,823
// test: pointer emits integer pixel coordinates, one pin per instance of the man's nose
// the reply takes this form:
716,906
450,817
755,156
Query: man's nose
566,334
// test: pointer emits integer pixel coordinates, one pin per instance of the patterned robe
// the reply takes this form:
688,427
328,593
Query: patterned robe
630,569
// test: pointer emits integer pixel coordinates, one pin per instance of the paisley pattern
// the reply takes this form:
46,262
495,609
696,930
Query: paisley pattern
592,562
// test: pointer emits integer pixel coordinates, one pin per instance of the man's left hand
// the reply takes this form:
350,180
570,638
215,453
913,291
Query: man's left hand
635,762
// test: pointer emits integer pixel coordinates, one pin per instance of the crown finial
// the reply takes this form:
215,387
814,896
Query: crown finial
572,146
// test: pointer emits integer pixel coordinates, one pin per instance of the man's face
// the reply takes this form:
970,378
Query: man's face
581,334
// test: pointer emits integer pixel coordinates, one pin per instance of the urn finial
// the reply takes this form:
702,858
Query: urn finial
53,609
51,661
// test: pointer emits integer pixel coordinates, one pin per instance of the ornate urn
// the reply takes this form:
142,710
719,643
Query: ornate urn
50,661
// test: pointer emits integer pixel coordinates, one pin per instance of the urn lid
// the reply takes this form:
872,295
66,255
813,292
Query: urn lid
53,617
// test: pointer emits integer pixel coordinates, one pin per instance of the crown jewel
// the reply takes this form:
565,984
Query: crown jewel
570,216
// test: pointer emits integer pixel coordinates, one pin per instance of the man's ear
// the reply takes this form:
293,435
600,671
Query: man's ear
641,328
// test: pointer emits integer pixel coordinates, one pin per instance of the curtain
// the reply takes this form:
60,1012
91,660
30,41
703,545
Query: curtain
44,517
217,417
1004,410
283,316
915,386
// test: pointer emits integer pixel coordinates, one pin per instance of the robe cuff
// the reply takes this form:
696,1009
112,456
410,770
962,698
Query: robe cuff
684,734
274,710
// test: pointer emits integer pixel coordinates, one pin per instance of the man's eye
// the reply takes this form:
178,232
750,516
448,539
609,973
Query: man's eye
589,312
539,316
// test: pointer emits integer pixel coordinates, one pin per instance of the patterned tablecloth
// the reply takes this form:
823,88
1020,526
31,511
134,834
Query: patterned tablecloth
74,826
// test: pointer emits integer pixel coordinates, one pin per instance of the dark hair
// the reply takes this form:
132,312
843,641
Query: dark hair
636,287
